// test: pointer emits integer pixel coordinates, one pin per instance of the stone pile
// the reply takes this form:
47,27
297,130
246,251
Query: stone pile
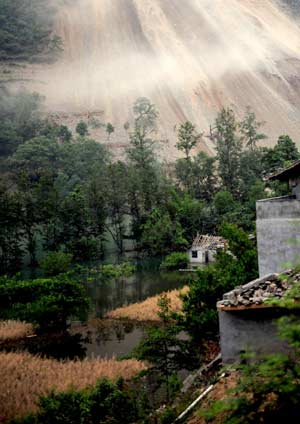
272,286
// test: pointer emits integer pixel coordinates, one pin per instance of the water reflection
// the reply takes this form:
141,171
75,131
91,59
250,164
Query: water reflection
110,338
147,281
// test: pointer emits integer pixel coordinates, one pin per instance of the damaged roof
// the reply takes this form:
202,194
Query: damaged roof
255,293
208,242
289,173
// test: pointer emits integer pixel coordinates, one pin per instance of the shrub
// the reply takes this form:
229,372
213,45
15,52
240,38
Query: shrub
175,260
56,263
108,402
47,302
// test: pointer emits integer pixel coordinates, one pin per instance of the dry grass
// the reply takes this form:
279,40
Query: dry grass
23,378
148,310
13,330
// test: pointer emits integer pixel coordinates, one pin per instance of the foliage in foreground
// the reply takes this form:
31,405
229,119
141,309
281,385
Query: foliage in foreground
46,302
267,391
108,403
164,349
24,378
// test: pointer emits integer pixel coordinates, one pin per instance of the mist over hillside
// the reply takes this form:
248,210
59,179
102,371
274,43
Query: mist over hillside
189,57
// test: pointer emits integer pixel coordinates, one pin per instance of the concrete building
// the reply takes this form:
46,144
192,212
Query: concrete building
204,249
247,323
278,225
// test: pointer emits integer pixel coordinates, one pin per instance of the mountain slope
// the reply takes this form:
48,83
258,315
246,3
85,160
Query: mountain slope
189,57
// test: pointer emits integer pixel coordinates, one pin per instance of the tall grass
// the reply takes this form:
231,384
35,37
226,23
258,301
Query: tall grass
23,378
148,309
13,330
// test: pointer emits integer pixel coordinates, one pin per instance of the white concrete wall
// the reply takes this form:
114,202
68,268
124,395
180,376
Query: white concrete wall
201,256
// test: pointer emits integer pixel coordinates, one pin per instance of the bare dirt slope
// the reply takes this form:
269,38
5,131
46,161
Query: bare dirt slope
189,57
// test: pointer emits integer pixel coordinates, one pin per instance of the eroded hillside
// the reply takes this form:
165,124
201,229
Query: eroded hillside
189,57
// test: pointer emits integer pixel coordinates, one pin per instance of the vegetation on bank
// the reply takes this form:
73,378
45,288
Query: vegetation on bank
46,303
24,378
148,310
13,330
175,261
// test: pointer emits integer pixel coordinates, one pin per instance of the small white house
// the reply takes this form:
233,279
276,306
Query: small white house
204,249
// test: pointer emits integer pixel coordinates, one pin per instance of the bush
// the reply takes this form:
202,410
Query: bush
107,403
46,302
56,263
175,260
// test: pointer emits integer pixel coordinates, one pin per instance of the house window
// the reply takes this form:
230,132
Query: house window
194,254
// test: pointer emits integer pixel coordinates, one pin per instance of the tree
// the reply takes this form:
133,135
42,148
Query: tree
79,232
143,169
197,176
36,156
187,138
249,128
11,231
145,116
110,129
283,153
162,347
82,129
228,147
19,119
116,202
47,303
161,235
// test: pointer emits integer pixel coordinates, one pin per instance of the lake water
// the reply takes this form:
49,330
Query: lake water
107,338
116,338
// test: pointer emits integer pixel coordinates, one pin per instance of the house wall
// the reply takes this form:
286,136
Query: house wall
201,259
249,331
278,234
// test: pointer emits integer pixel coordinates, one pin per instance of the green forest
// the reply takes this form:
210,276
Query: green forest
65,192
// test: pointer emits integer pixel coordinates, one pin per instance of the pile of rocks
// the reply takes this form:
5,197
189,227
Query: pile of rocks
258,291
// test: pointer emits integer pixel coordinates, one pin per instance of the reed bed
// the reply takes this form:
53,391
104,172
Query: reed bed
24,378
148,309
13,330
